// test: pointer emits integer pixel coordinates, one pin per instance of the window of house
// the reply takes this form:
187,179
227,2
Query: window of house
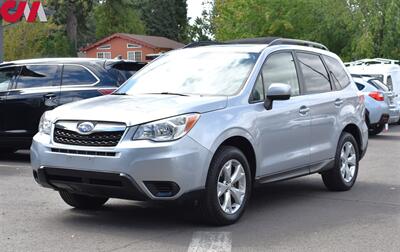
104,55
38,76
135,56
77,75
104,47
133,46
316,78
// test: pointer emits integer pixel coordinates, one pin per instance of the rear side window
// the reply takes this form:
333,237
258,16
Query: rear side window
339,75
280,68
77,75
35,76
378,85
389,82
316,78
7,77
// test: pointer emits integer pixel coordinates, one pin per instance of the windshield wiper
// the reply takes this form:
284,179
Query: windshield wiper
119,94
170,93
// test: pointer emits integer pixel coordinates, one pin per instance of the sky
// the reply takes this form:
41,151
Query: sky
194,8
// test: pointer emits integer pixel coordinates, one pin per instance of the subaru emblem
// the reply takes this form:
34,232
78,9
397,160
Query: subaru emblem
85,127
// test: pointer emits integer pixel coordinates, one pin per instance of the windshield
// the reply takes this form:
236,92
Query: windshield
193,71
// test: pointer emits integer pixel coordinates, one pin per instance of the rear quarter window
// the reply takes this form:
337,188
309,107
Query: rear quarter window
339,75
77,75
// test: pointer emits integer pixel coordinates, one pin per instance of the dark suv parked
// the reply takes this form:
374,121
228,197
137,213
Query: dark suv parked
28,88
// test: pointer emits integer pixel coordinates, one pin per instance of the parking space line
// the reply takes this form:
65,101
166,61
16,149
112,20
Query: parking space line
211,242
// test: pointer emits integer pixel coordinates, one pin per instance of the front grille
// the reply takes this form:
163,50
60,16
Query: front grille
100,139
88,153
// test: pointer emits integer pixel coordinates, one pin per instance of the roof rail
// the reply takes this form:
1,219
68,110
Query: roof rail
376,61
202,43
270,41
284,41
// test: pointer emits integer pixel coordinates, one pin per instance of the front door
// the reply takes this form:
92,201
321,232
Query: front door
36,90
7,77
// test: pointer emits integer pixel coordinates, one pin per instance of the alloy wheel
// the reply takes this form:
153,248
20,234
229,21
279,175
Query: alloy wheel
231,188
348,161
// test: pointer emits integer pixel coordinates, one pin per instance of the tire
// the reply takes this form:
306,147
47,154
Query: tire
82,201
226,209
343,176
377,130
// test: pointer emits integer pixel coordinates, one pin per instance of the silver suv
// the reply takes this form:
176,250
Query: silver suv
209,121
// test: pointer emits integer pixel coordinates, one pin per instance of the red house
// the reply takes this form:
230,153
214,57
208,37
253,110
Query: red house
130,46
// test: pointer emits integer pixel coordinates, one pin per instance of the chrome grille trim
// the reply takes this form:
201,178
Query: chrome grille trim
87,153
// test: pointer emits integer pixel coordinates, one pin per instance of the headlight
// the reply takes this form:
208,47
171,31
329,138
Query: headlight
45,124
167,129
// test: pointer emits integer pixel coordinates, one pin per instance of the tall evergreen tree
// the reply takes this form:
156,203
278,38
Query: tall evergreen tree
167,18
74,15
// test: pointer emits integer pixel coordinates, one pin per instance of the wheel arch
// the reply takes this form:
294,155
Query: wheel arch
356,133
244,145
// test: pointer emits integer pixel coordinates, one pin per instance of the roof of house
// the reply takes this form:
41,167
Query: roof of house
150,41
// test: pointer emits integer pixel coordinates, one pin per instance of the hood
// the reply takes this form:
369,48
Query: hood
133,110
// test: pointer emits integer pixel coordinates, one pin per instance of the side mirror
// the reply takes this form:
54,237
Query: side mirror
278,92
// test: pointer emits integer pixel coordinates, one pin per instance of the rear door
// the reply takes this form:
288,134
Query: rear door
285,129
325,106
36,90
7,78
78,82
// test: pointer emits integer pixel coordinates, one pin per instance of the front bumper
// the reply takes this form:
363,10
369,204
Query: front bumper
138,170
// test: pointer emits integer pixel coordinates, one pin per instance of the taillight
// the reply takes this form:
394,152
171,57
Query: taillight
105,91
377,95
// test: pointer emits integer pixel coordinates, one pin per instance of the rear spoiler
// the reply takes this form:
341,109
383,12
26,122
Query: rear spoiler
124,65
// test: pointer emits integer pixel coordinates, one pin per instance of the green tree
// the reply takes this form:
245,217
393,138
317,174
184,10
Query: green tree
202,28
117,16
75,16
167,18
351,28
35,40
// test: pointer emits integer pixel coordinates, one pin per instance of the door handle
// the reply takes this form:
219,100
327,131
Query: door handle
338,102
304,110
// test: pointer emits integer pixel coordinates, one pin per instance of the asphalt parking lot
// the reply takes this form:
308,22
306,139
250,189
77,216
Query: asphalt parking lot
296,215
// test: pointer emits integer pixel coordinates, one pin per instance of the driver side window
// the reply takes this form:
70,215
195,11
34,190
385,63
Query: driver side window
280,68
7,76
